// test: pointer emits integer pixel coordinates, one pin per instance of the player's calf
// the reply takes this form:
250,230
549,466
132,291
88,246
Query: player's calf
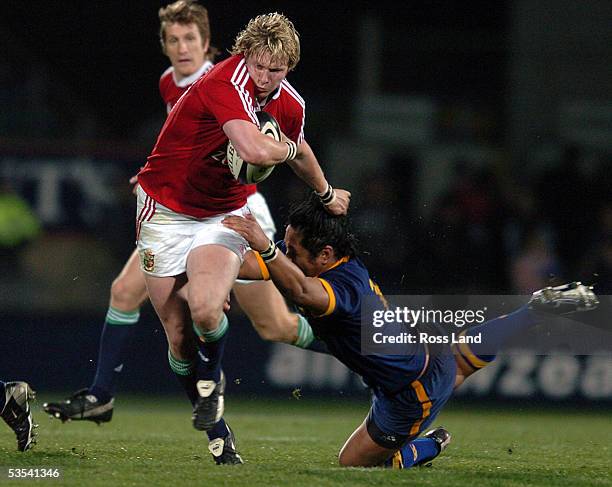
494,334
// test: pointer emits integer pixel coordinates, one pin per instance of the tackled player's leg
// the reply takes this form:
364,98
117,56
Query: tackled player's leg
168,296
211,271
546,303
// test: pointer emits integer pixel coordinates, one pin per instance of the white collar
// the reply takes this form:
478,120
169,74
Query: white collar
189,80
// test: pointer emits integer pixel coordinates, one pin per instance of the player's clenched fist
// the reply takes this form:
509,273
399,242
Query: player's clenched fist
340,205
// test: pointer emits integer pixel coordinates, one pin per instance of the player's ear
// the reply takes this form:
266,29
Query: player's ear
327,254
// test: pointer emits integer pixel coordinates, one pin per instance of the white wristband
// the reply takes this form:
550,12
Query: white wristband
291,150
331,201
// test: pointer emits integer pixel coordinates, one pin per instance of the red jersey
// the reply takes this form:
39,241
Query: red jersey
171,90
186,170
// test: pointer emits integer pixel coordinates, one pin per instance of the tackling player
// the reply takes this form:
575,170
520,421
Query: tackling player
317,269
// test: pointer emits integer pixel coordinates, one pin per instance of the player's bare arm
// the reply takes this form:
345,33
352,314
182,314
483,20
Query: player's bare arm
253,146
307,168
304,291
251,268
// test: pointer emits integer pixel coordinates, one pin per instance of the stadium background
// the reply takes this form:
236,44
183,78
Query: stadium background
476,139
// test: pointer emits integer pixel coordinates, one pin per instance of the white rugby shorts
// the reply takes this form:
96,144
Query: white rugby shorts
259,209
165,238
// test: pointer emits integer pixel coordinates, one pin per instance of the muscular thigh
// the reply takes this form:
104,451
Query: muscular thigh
129,289
211,272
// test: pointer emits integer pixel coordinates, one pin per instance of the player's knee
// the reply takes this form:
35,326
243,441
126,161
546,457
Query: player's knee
123,296
205,316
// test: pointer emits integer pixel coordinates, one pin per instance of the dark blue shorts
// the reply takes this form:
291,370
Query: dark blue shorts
395,419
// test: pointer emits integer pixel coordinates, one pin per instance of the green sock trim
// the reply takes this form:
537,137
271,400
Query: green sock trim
216,334
116,317
180,367
305,335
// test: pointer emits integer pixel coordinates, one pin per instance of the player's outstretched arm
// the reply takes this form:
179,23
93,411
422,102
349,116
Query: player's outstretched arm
255,147
307,168
307,292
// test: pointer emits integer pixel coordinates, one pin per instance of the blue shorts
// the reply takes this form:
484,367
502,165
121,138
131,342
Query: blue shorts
395,419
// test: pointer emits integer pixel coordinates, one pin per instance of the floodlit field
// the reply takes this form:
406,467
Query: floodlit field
295,442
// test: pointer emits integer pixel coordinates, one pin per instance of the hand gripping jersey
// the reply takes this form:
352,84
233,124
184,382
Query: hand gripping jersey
186,170
340,328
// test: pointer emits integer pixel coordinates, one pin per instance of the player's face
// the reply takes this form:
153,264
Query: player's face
185,49
298,254
266,73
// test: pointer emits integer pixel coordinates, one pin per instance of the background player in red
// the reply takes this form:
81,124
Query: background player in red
186,189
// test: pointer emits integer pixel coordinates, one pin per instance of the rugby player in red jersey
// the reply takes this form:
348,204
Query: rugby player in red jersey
189,258
185,39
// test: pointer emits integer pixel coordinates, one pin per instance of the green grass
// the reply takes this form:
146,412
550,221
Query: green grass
291,442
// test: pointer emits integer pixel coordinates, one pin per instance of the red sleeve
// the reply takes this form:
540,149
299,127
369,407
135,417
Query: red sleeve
227,101
294,128
294,106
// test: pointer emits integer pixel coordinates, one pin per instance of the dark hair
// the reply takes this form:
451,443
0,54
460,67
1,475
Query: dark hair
319,228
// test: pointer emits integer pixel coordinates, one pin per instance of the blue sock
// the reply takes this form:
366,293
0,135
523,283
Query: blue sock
118,327
219,430
211,345
416,451
494,335
184,370
2,396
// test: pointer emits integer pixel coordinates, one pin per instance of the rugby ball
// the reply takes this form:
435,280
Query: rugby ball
250,173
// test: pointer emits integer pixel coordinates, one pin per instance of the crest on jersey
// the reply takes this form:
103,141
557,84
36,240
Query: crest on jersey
148,260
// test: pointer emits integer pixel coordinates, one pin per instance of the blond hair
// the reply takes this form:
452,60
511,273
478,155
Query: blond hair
186,12
270,33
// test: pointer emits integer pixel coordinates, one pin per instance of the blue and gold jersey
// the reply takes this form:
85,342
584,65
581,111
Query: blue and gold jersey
346,283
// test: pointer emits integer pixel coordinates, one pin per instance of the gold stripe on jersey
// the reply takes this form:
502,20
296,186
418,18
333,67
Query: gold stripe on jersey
332,298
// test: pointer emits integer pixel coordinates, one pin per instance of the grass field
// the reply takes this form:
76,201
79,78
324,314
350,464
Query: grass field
295,442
